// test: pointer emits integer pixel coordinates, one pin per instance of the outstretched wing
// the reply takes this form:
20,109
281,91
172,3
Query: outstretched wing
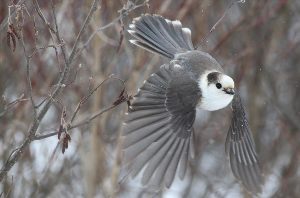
240,148
158,130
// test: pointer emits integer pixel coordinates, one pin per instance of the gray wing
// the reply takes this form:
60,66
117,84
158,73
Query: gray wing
240,148
158,130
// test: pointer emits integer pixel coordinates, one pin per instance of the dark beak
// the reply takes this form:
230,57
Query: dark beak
229,91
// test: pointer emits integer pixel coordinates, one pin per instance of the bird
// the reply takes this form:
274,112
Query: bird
158,130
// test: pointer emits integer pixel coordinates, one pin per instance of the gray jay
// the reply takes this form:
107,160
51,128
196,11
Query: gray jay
158,134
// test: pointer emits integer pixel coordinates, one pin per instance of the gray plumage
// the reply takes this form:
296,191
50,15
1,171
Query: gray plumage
158,130
240,148
161,36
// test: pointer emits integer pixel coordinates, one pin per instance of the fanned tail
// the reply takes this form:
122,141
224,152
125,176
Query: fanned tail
160,35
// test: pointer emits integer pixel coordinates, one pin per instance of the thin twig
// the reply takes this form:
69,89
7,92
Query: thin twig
38,10
36,49
80,123
12,104
86,22
85,98
50,28
65,73
28,75
221,18
92,117
228,34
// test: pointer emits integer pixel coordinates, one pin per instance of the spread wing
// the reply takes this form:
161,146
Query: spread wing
240,148
158,130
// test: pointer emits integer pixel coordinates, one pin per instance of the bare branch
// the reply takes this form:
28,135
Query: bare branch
12,104
28,75
86,22
38,10
80,123
50,28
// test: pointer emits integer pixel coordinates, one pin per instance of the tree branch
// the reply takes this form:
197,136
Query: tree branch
12,104
80,123
58,89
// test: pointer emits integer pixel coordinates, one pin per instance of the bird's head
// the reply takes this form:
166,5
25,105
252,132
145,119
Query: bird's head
217,90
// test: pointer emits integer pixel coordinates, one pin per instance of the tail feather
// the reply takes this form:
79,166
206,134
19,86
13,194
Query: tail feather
159,35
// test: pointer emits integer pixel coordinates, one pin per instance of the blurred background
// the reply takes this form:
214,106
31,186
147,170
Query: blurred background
257,43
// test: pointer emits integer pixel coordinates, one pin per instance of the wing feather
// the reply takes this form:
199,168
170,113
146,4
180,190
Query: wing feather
144,157
157,132
240,148
183,160
156,160
171,171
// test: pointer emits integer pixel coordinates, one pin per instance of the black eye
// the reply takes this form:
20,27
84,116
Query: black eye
218,85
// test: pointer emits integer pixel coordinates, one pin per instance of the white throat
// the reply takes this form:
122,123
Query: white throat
213,98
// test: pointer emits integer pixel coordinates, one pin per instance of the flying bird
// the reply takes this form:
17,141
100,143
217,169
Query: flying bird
158,133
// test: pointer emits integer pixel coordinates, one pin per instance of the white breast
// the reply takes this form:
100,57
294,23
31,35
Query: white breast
213,102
